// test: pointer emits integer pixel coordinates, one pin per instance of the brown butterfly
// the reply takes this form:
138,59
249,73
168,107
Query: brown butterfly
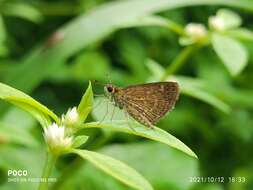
146,103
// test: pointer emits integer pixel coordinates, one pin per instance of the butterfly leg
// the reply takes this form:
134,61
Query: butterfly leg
105,113
150,126
113,111
128,119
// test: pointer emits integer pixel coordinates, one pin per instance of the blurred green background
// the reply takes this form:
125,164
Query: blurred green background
51,49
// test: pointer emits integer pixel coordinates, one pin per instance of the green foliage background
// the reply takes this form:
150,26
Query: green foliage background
97,38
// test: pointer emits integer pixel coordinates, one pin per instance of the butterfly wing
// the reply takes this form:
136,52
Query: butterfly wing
147,103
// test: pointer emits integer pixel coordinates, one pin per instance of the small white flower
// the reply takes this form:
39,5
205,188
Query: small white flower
217,23
71,117
56,138
195,31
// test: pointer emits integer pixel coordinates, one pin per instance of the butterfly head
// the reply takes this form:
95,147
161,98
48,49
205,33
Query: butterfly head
110,89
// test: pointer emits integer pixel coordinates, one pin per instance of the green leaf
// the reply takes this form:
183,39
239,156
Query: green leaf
12,134
42,118
85,106
116,169
241,33
22,120
22,10
154,20
156,156
135,128
150,20
196,88
151,159
156,70
79,140
231,52
22,100
230,18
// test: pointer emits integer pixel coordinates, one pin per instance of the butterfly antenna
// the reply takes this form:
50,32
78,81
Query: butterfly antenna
98,83
109,78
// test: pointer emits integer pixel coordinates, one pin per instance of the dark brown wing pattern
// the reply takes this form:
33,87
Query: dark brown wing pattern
147,103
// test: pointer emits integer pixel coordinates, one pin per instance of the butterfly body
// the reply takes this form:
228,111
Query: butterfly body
146,103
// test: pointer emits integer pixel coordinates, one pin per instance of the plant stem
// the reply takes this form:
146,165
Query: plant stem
173,26
48,167
179,61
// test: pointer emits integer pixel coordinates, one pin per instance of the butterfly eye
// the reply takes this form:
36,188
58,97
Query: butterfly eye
110,89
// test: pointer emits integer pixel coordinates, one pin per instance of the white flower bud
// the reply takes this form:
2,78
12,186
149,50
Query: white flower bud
71,117
56,138
196,31
217,23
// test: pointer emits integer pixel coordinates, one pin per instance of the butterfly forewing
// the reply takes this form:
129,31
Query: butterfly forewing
147,103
